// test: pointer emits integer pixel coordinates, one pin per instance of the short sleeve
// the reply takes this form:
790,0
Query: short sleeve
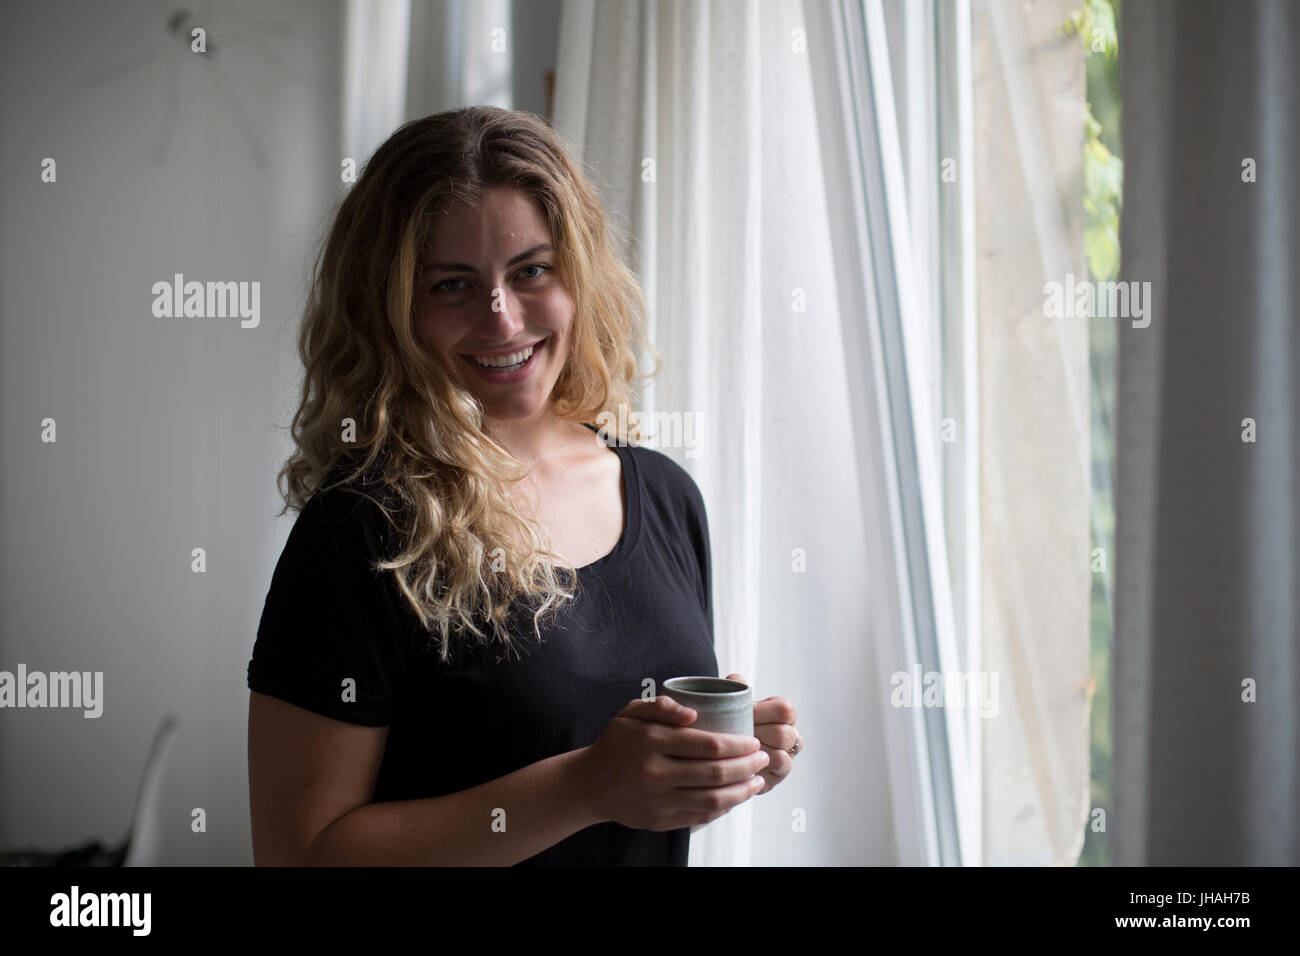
327,640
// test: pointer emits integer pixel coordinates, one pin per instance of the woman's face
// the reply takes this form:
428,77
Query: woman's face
489,296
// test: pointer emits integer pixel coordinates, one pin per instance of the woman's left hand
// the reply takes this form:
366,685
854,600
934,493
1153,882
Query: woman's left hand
774,726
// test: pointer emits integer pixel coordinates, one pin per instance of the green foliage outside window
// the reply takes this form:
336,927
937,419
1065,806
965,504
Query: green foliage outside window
1103,173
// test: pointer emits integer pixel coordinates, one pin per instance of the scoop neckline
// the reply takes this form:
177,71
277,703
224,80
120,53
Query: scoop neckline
631,536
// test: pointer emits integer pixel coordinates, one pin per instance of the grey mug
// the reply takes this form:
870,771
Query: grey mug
722,706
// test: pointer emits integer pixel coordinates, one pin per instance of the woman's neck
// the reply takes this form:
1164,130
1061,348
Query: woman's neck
536,440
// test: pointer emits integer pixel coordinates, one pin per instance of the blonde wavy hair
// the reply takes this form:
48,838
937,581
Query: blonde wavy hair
469,557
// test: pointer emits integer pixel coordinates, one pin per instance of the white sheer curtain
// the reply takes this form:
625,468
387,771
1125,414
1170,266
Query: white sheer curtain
813,288
375,61
892,410
942,253
1034,431
699,120
405,59
1207,725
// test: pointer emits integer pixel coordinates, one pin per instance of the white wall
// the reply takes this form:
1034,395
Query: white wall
163,443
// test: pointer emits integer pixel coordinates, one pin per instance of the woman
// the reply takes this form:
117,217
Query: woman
458,653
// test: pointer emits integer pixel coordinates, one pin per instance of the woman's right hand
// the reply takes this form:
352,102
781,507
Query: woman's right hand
649,770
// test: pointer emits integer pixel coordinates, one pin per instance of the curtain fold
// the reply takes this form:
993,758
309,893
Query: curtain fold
1034,431
996,595
376,36
1207,664
850,132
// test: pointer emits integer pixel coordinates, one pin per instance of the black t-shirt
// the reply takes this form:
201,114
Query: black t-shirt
642,611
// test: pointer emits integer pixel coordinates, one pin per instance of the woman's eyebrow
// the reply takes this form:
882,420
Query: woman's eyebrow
463,267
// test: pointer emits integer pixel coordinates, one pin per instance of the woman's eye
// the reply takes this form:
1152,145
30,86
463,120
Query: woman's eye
442,286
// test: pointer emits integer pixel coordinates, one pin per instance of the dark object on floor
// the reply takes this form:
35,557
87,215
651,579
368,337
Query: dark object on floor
92,854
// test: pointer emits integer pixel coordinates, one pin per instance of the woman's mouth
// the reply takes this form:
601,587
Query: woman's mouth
508,366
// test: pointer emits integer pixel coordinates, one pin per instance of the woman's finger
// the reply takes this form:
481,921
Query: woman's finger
777,736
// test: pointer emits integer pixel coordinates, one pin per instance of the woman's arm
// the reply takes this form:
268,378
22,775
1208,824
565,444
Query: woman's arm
311,781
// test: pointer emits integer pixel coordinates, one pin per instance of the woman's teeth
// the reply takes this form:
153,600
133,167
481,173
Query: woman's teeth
506,363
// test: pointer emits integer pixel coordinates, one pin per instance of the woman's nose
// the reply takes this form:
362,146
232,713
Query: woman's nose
502,314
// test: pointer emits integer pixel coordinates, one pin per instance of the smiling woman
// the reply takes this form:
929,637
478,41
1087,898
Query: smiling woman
523,338
430,263
471,315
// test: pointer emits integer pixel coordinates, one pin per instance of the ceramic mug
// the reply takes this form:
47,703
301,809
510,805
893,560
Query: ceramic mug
722,706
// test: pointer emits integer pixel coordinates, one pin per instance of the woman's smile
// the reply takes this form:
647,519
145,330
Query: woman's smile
506,366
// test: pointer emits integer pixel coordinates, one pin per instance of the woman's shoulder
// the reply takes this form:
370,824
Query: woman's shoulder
665,480
663,467
348,503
